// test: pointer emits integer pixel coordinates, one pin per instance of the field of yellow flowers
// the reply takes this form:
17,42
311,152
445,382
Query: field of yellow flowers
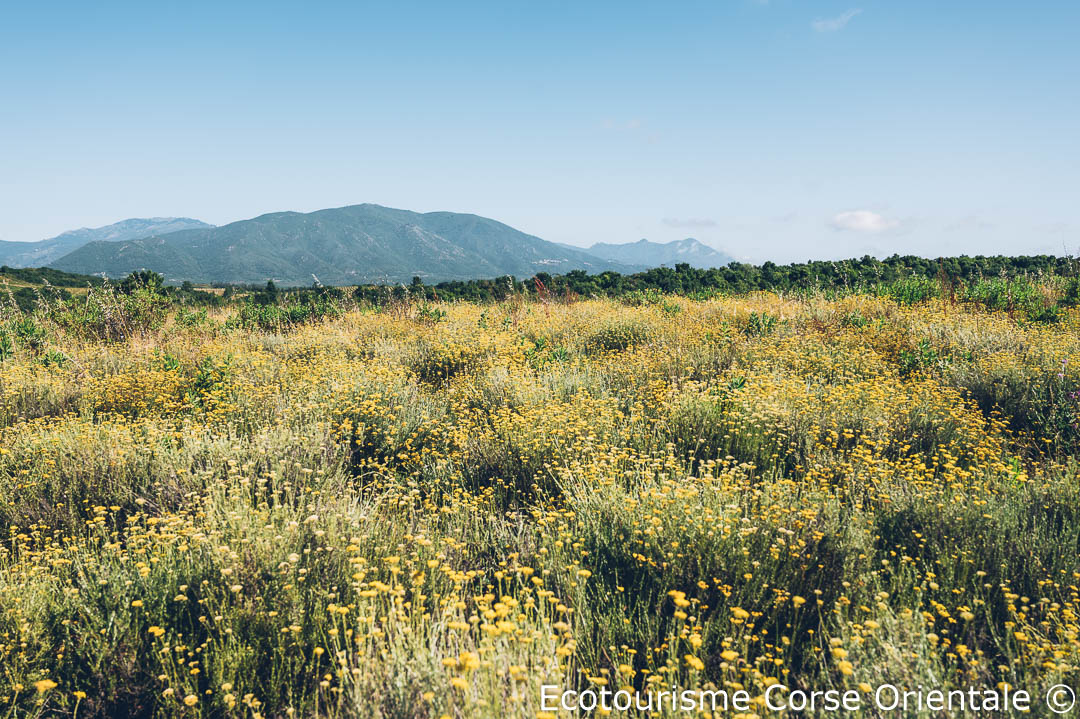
434,512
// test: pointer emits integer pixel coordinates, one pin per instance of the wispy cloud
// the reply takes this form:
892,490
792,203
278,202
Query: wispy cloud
969,223
690,222
862,221
631,124
1054,227
835,23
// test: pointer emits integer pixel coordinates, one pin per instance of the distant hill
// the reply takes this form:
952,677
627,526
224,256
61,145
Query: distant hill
655,254
34,254
27,286
341,246
35,276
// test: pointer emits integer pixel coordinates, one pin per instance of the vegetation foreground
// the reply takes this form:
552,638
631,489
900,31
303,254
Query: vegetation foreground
429,510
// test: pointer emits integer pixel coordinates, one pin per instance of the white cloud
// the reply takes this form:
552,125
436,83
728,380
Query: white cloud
691,222
835,23
862,221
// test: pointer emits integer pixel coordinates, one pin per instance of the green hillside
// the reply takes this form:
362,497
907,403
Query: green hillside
25,287
41,275
343,246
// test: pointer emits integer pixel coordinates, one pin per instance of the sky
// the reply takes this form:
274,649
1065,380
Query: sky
780,130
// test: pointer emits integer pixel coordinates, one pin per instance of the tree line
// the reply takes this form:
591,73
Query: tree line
855,275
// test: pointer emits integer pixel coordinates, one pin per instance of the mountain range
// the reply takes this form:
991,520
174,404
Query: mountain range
341,246
654,254
36,254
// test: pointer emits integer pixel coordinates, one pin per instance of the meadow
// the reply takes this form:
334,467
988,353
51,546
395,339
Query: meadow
425,509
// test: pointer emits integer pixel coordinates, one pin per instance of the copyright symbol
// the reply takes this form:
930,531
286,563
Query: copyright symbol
1060,698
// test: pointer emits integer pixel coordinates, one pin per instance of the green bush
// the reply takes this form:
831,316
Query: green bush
112,315
912,290
283,317
1015,295
759,324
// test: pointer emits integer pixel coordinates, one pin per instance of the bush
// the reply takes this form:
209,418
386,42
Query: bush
1014,295
643,298
110,314
284,317
912,290
759,324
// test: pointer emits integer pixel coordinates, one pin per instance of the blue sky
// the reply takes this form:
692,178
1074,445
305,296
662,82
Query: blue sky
781,130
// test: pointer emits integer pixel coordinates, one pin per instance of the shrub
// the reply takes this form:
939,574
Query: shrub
284,317
1014,295
759,324
109,314
912,290
640,298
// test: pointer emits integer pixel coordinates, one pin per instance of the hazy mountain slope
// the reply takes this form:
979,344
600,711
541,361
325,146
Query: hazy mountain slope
34,254
654,254
346,245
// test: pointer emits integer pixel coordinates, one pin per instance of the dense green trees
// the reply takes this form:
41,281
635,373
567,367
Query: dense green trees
865,274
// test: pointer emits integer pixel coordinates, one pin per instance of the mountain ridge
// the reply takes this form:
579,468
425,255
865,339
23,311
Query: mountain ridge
345,245
42,252
654,254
